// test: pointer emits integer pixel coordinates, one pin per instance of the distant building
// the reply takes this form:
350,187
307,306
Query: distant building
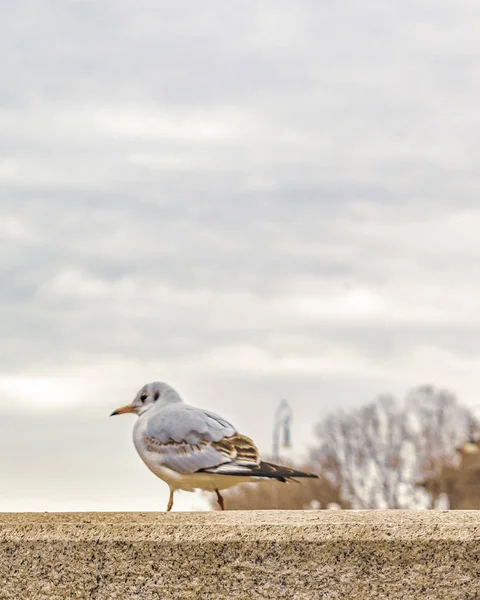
460,483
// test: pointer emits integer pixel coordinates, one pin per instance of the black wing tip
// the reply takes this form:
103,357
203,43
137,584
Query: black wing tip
283,474
265,470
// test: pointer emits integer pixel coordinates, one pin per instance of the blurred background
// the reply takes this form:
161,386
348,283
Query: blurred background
255,202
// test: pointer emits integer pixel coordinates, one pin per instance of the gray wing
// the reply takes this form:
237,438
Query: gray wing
188,439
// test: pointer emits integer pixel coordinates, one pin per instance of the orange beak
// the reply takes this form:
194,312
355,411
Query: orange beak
123,409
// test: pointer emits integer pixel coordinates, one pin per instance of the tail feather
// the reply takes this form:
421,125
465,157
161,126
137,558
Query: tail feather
282,473
261,469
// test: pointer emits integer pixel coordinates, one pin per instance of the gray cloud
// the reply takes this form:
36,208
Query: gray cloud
251,200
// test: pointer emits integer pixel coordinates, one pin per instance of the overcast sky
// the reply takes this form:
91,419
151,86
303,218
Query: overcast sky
250,200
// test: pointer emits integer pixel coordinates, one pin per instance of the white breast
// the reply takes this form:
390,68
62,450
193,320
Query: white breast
153,459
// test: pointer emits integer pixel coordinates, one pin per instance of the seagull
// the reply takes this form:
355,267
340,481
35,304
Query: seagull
190,448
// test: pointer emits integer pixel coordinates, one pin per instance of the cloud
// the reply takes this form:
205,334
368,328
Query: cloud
251,201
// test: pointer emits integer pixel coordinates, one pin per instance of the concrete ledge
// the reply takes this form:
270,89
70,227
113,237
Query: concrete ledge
241,555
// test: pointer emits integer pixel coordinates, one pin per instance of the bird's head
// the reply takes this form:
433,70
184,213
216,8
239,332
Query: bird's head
150,396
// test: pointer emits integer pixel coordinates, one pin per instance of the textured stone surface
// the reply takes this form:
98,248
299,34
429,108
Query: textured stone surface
241,555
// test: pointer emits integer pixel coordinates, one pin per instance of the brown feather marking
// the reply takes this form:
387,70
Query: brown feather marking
238,447
154,445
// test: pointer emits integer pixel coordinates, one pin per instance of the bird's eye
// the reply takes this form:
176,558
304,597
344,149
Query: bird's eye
156,396
143,397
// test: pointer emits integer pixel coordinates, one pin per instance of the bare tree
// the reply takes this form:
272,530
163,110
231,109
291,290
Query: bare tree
376,455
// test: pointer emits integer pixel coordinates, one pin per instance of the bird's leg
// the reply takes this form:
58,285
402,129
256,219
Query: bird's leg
170,501
220,500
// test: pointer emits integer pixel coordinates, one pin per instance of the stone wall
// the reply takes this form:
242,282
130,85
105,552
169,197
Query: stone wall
301,555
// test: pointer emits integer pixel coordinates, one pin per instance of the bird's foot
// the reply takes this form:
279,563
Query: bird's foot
220,500
170,501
